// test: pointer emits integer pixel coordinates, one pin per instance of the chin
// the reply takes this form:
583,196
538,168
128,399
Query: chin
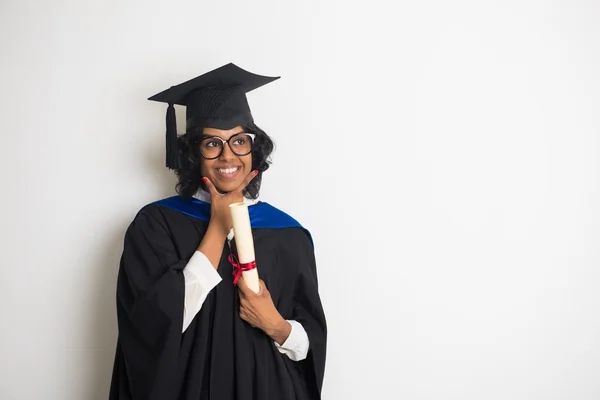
227,187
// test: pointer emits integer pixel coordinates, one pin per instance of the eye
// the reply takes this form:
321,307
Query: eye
211,143
239,141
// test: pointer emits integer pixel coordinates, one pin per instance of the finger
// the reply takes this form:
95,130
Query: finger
209,185
262,287
246,181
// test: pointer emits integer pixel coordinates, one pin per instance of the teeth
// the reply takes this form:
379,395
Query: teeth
229,170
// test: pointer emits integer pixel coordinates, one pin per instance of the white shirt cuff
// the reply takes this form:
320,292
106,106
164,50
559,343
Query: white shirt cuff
297,344
200,278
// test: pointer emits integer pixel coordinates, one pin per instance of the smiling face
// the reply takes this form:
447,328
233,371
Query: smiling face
228,170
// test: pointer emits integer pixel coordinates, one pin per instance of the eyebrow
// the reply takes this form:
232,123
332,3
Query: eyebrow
206,136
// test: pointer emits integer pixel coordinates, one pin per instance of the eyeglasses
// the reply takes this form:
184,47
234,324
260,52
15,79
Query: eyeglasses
240,144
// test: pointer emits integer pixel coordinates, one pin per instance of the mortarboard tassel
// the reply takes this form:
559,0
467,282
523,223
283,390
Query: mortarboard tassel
172,148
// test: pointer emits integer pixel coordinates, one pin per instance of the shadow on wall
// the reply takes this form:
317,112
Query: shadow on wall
103,308
103,323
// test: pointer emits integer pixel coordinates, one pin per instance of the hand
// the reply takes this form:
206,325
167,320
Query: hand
259,311
219,208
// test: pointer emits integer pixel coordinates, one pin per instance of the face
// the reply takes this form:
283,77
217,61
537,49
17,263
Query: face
228,170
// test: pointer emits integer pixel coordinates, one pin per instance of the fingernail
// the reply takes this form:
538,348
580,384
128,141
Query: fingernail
255,172
204,179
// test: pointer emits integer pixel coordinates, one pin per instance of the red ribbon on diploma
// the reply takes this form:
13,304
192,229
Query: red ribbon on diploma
238,267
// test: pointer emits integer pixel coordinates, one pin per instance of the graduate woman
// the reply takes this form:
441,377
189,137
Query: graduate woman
186,332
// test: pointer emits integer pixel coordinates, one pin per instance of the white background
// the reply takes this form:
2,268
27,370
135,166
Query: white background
443,154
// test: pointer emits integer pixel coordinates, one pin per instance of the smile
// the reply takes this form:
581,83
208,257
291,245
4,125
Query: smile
228,172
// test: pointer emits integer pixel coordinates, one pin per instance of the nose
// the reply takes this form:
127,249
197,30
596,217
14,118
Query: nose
227,154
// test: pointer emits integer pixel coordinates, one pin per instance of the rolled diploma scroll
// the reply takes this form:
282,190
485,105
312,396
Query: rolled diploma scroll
244,242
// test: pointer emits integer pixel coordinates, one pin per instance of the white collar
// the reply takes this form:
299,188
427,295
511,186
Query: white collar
204,196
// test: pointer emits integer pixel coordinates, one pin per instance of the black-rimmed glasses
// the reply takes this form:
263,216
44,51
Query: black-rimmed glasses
240,144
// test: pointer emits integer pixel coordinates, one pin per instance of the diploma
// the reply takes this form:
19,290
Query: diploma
245,246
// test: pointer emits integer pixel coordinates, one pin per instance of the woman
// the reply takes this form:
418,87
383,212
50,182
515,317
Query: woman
185,331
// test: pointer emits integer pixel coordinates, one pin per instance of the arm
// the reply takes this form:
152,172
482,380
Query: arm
213,242
200,277
259,311
296,346
200,274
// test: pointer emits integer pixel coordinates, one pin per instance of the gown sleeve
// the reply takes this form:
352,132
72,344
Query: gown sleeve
200,278
307,309
297,344
150,298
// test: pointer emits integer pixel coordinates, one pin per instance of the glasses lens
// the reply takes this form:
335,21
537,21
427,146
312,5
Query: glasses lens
241,144
211,147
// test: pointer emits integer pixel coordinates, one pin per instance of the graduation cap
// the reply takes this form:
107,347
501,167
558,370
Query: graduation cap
216,99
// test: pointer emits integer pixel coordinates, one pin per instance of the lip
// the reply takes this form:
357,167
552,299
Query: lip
228,176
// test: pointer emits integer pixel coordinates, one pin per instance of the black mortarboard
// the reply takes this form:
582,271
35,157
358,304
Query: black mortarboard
216,99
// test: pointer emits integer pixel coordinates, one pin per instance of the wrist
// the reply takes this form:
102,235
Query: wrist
218,228
280,331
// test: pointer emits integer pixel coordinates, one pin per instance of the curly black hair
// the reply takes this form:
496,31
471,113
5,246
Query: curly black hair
188,173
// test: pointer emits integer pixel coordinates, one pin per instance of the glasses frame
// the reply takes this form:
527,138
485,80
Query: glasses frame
252,137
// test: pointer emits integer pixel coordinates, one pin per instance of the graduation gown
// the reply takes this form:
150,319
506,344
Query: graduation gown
219,356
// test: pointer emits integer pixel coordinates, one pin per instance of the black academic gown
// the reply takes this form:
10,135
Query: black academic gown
219,356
